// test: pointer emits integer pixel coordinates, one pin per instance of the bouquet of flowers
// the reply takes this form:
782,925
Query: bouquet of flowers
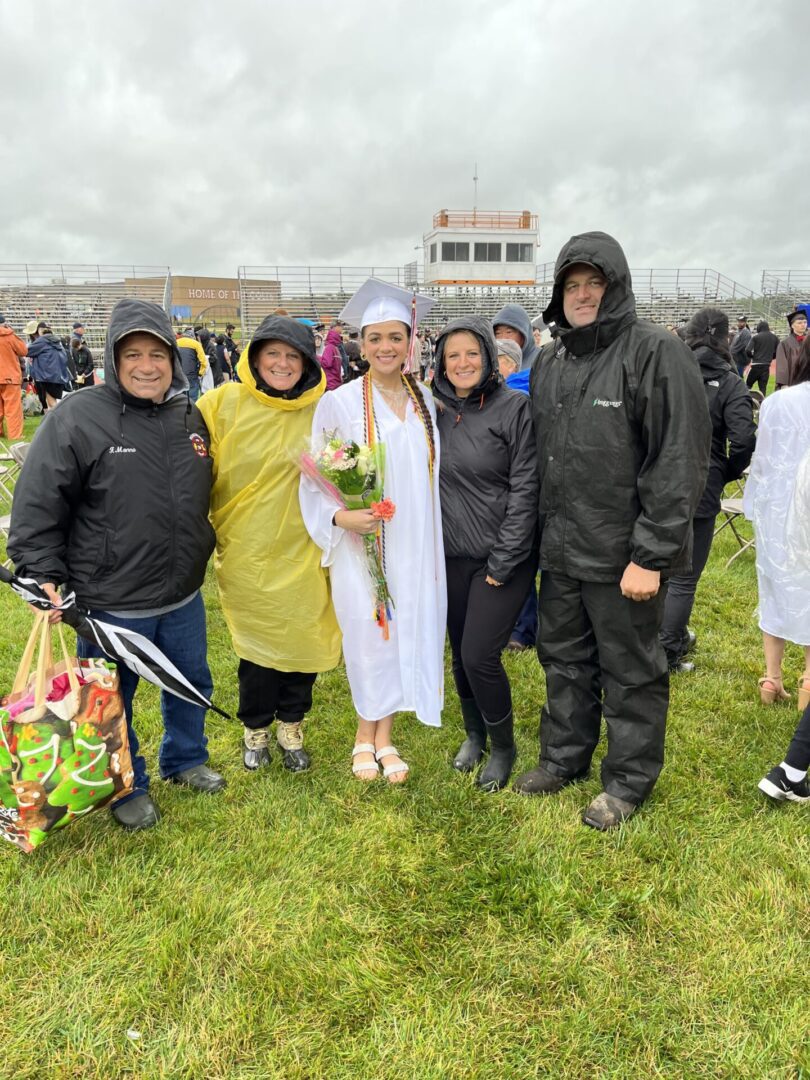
353,475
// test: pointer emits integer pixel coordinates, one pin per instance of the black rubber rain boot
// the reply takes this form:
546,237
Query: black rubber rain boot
502,753
290,739
255,751
472,749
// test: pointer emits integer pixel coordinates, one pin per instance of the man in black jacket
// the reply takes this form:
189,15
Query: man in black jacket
623,438
739,345
112,503
761,352
82,358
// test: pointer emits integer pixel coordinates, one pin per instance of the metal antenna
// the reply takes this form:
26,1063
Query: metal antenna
475,190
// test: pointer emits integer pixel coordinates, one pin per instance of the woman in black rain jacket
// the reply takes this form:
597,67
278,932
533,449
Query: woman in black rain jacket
488,481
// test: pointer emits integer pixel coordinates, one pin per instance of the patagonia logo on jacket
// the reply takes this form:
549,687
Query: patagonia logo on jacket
608,404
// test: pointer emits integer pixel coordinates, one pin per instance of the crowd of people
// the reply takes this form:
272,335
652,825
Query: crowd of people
38,368
591,447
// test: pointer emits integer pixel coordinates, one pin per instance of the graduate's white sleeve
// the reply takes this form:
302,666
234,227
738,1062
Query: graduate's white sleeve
317,506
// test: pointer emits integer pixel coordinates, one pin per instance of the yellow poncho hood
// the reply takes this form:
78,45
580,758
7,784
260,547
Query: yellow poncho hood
275,594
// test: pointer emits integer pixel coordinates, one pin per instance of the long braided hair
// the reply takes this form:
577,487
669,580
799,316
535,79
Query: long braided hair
418,399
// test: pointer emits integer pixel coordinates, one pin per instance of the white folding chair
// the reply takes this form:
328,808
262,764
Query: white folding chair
733,509
5,527
8,477
10,465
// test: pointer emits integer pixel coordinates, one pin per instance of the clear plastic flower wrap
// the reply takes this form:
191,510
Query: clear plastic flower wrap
354,474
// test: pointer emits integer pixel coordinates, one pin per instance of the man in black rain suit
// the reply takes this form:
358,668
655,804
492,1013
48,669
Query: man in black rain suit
623,437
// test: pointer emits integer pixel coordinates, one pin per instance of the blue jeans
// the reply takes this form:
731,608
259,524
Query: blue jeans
181,635
194,388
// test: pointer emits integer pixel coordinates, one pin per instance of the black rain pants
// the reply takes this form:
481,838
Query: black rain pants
759,373
681,593
798,754
602,656
266,695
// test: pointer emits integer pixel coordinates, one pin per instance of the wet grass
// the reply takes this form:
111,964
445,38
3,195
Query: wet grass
310,926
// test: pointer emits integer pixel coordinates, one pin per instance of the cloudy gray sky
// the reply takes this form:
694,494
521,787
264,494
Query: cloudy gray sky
205,135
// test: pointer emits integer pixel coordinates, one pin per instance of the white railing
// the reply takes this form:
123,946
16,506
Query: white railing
61,294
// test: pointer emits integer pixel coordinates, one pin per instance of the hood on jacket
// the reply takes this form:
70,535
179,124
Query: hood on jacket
518,318
127,317
334,337
762,326
618,307
6,331
713,363
490,379
280,328
49,340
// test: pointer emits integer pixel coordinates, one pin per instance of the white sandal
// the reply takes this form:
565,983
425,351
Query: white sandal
389,770
366,766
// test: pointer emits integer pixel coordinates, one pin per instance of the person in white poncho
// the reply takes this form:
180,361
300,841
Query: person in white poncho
405,670
777,500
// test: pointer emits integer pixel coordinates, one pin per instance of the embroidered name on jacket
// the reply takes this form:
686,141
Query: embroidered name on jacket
607,404
122,450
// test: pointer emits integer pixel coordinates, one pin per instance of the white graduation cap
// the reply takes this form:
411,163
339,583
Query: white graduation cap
376,302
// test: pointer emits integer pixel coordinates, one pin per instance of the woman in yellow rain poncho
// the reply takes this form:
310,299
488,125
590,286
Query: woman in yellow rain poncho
275,595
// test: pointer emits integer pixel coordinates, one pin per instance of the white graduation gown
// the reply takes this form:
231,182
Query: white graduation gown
777,500
405,673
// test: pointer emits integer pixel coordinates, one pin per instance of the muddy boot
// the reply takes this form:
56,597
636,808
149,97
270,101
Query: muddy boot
608,812
502,753
472,749
290,738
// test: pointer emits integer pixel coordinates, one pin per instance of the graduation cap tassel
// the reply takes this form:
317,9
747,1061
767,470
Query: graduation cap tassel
412,346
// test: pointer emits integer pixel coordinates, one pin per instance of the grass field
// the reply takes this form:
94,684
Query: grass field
309,926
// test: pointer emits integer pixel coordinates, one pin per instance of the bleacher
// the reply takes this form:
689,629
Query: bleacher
667,297
783,289
63,294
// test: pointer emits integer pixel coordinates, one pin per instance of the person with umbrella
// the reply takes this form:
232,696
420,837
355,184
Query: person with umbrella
112,504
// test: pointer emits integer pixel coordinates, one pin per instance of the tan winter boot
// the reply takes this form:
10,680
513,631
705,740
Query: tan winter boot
290,738
255,751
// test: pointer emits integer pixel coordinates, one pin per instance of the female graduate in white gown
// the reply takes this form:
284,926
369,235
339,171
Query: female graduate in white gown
777,500
404,673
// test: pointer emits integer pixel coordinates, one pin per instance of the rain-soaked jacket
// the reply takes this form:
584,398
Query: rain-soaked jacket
623,432
113,497
49,363
517,317
275,595
733,432
488,476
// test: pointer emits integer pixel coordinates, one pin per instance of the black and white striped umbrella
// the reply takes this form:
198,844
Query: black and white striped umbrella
119,644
